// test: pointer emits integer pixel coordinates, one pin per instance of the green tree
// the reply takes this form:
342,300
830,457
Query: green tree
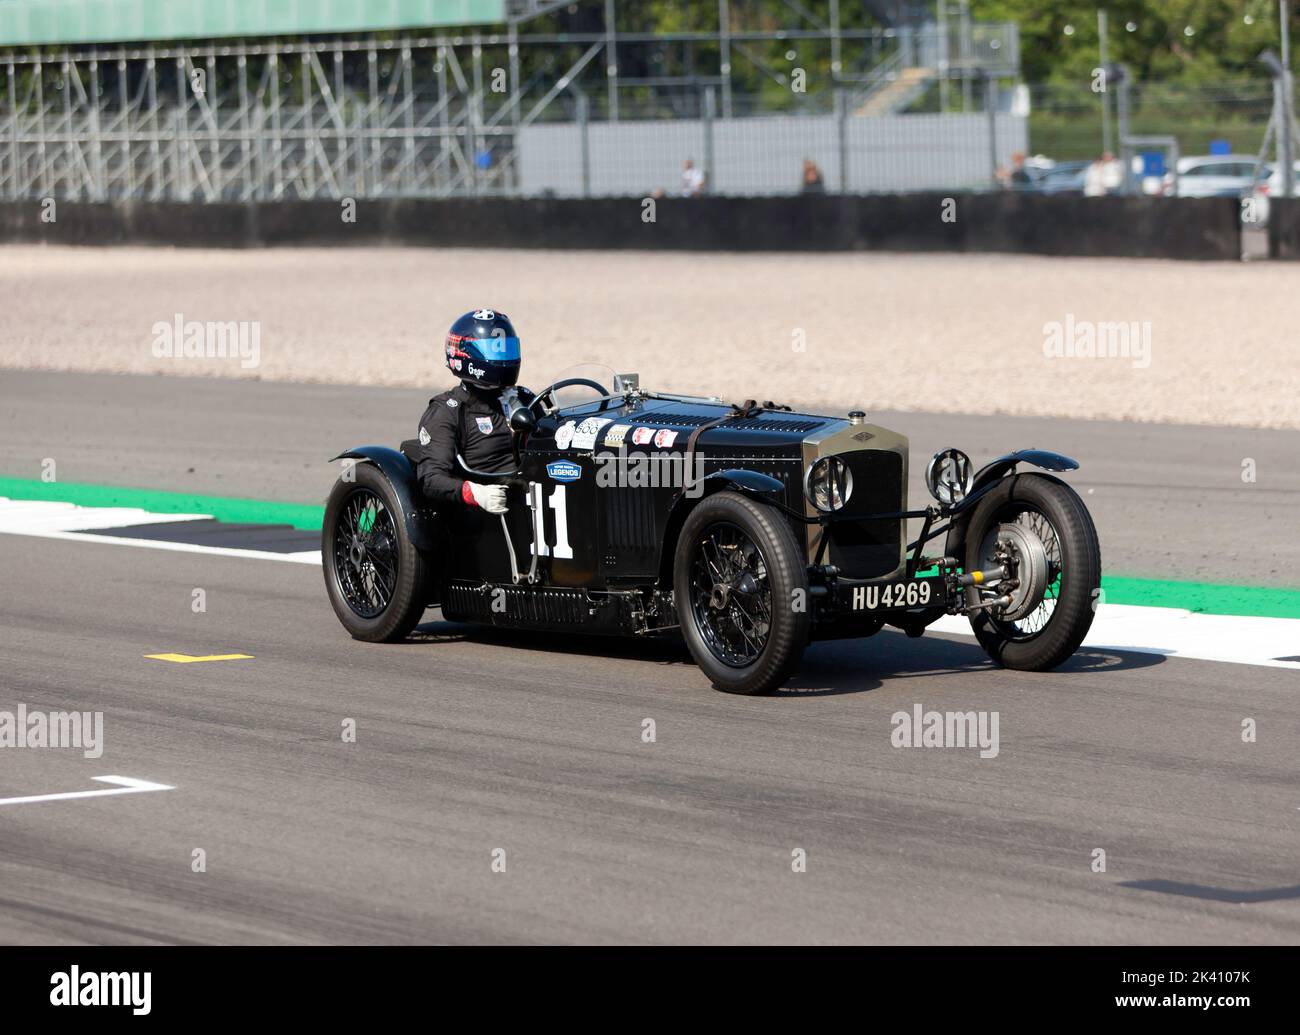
1194,41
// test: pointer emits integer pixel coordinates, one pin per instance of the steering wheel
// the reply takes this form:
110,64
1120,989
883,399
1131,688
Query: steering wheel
549,392
513,477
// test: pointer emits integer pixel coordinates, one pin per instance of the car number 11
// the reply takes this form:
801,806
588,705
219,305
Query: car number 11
557,501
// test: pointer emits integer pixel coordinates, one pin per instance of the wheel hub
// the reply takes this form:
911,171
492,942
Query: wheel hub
746,585
356,553
1020,550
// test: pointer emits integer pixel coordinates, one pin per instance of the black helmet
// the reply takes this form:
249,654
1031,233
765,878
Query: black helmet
483,349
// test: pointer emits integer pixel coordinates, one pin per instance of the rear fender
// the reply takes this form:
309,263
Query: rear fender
400,472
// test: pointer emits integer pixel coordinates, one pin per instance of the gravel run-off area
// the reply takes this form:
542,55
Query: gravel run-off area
1207,343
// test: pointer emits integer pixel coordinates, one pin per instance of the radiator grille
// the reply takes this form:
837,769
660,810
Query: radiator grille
869,549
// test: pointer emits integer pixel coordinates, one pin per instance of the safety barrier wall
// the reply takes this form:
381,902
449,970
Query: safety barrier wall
1284,228
1175,228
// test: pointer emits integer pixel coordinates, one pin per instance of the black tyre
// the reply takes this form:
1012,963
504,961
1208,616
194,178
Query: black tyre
374,575
1054,611
735,574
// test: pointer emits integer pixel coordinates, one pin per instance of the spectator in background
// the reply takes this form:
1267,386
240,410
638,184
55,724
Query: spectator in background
1112,173
692,180
1019,178
1104,176
812,178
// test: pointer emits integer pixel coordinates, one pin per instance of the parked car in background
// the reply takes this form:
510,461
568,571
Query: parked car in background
1270,186
1062,178
1212,176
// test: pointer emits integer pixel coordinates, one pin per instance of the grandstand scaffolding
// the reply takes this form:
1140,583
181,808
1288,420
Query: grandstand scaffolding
430,114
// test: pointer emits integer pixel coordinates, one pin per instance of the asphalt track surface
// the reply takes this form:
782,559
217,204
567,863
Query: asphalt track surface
1169,500
471,740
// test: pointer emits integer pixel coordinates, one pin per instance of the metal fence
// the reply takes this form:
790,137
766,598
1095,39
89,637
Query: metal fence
433,116
1067,122
766,154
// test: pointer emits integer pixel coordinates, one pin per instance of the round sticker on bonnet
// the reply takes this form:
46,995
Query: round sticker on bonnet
564,435
484,314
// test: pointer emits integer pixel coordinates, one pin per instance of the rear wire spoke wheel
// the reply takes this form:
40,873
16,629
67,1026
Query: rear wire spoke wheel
375,576
737,567
731,595
365,553
1041,526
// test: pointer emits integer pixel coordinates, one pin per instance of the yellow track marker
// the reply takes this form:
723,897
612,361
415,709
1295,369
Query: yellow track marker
185,659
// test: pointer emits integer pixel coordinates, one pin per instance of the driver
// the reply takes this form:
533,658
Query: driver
483,351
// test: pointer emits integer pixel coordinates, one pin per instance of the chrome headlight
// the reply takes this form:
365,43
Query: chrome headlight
828,483
948,476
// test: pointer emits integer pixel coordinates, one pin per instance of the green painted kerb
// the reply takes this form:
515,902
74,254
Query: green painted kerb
1206,597
223,508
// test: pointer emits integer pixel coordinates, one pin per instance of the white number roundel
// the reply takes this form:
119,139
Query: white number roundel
484,314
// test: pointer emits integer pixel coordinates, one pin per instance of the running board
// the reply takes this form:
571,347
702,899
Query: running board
540,607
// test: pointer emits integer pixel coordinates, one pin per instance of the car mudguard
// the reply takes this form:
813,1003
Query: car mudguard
762,487
995,470
1043,458
751,483
400,473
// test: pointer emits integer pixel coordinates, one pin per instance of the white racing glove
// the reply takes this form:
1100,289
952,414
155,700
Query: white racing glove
491,498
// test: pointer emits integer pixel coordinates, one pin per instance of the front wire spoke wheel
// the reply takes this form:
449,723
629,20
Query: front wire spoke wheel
1038,526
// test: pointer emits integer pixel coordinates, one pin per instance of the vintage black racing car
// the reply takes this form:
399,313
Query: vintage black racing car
750,529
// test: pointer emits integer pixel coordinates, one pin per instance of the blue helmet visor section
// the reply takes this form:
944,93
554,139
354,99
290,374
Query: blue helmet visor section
498,350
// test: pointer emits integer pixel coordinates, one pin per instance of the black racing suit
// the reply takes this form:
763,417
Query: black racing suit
468,421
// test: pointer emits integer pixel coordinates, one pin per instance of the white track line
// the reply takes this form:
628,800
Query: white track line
49,520
31,516
126,785
304,557
1173,632
1177,633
